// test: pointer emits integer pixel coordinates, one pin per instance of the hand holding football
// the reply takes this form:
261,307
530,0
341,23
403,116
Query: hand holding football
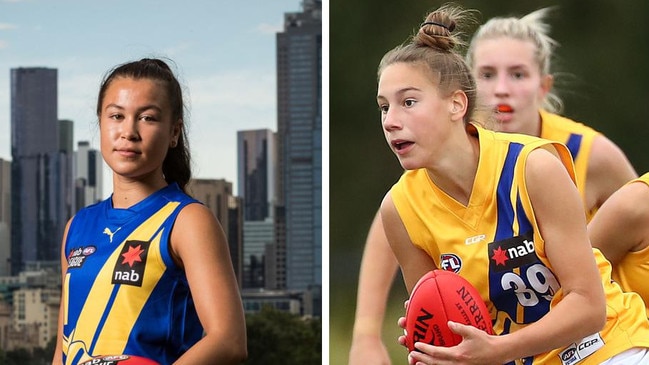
438,297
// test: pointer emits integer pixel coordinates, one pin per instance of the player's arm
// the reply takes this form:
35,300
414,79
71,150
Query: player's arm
414,262
608,170
378,268
562,224
199,243
58,355
621,224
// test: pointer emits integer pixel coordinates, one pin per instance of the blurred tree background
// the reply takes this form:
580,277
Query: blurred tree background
601,70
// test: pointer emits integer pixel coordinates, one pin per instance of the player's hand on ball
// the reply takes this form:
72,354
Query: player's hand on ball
475,348
437,298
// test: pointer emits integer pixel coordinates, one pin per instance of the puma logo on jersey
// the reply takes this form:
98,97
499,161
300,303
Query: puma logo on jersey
131,262
110,234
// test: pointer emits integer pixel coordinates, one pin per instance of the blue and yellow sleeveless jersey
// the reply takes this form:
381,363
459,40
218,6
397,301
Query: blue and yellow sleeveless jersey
578,138
494,242
122,292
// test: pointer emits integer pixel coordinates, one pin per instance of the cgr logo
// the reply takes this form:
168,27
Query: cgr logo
475,239
450,262
130,265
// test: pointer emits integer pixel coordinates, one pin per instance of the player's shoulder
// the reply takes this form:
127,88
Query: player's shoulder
555,122
605,155
631,194
195,212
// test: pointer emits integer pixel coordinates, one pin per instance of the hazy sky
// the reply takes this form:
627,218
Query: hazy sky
224,52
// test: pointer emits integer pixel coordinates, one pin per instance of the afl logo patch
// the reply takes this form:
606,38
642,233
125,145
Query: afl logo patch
89,250
77,256
568,354
450,262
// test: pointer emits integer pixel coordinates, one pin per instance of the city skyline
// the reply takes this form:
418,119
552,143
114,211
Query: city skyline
281,237
224,56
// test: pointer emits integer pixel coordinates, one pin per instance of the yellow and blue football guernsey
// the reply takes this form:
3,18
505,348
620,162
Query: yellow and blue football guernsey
632,271
122,292
494,242
579,140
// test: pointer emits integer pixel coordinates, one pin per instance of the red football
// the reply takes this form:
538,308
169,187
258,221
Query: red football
438,297
119,360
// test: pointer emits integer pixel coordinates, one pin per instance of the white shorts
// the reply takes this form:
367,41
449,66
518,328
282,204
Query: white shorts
634,356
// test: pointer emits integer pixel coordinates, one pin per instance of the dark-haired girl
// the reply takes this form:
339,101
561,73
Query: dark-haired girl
147,271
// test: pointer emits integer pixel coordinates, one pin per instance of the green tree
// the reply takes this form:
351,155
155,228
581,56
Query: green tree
44,355
276,337
18,357
22,356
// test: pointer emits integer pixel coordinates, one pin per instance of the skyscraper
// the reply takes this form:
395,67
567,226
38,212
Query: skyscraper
66,136
5,216
38,214
299,98
256,155
88,175
257,162
66,170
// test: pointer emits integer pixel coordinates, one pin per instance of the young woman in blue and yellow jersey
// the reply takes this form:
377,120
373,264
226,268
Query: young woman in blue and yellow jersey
620,229
503,211
510,59
147,271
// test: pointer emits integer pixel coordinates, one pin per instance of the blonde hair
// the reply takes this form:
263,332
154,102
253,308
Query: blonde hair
529,28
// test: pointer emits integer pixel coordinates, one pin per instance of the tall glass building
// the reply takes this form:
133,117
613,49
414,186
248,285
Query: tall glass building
5,216
88,176
299,130
37,168
257,162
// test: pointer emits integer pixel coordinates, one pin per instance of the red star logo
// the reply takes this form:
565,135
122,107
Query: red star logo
132,255
499,256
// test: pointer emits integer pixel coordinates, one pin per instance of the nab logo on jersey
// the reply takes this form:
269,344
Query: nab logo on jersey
130,265
513,252
450,262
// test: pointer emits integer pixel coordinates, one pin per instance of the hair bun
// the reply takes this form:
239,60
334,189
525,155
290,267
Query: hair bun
449,27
